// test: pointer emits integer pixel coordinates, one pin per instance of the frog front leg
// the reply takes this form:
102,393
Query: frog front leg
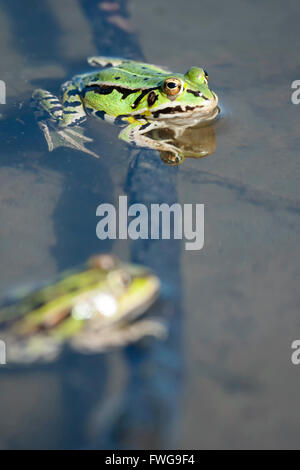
57,119
135,133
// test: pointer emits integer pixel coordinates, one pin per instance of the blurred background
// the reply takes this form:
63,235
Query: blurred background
224,376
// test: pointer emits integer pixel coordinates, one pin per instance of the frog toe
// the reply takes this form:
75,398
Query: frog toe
75,140
65,137
171,159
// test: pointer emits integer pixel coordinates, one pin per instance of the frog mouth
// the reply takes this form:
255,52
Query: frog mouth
208,109
175,110
205,111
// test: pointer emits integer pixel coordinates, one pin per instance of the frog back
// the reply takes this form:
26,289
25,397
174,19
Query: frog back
127,75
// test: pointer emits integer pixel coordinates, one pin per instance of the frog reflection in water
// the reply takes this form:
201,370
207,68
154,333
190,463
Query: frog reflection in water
91,310
140,96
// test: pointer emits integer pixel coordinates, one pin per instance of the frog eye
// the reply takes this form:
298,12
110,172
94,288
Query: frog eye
197,75
172,86
103,262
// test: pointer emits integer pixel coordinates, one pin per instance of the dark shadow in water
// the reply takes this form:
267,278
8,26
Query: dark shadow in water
109,38
156,373
149,414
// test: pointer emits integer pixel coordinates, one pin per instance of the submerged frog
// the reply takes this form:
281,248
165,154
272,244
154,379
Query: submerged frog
91,309
140,96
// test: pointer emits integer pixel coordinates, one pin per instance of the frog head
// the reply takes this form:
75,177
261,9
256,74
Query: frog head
183,97
125,291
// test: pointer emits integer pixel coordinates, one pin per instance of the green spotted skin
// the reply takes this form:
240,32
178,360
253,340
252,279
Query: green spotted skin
138,95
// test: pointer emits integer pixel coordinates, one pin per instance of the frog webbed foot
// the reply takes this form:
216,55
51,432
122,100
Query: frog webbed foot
72,137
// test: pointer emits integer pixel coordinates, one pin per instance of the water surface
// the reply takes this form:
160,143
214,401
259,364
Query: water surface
224,378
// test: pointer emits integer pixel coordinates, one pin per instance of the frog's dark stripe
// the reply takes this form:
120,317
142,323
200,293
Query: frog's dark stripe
77,121
144,126
70,112
177,109
144,93
52,98
139,98
100,114
119,119
197,93
125,92
72,93
89,110
81,119
56,108
107,89
72,103
93,112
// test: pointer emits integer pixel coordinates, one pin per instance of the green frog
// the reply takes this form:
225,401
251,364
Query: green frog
142,97
90,309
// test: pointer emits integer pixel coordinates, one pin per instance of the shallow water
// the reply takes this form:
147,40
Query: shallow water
224,377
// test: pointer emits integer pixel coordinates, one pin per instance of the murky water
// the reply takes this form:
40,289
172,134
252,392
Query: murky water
224,377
